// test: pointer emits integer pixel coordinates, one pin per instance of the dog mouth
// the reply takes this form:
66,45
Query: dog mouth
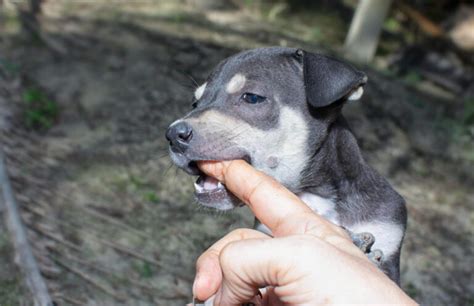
204,184
210,192
207,184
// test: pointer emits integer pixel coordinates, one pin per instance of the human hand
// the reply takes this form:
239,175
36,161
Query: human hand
308,261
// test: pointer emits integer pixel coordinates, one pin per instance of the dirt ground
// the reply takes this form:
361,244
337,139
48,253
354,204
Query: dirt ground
113,223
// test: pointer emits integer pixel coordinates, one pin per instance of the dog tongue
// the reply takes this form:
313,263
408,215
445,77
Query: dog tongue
210,183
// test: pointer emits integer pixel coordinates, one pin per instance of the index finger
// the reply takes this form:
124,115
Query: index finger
270,201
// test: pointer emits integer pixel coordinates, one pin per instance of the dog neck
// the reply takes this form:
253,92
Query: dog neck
337,167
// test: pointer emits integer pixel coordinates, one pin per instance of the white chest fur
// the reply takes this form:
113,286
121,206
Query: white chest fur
324,207
388,236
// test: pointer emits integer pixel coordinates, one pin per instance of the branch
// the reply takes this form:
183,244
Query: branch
91,280
26,261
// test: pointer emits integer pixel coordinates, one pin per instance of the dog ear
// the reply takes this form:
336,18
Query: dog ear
328,80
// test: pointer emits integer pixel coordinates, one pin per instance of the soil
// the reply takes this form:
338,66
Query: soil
112,222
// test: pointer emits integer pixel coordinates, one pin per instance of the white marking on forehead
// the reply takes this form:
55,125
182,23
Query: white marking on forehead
236,83
388,236
200,91
356,94
286,142
323,206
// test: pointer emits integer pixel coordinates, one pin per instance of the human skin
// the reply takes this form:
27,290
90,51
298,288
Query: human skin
308,261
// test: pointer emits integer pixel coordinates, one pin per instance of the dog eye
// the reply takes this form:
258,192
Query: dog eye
253,98
195,104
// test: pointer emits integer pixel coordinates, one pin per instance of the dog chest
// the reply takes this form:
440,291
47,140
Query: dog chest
388,235
324,207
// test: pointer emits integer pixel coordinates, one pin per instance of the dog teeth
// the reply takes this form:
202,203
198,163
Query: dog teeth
207,184
198,187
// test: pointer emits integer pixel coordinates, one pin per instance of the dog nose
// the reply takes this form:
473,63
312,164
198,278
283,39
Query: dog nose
179,135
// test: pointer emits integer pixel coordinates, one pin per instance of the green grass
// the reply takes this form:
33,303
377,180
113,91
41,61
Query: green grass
412,78
10,287
391,24
144,269
40,112
151,196
137,186
411,290
9,67
469,111
137,182
9,293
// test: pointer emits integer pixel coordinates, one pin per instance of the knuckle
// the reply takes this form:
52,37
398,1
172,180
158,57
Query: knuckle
240,233
226,169
221,171
249,194
206,256
227,255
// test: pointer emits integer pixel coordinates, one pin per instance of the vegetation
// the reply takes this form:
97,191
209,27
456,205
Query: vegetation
40,112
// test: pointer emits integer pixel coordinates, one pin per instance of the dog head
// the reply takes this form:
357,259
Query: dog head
271,107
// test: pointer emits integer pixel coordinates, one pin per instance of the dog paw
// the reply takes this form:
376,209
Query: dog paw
364,241
376,256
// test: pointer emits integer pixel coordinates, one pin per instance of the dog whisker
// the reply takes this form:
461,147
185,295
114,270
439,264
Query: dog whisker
196,84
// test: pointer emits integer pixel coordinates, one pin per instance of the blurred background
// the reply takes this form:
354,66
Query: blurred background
87,89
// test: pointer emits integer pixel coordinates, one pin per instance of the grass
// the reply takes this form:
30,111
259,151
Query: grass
138,186
411,290
144,269
460,129
9,283
412,78
469,111
40,111
392,24
9,293
151,196
9,67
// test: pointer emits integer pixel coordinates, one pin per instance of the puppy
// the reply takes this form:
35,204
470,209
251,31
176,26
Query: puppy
280,110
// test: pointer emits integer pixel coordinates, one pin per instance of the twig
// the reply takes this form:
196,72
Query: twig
115,222
57,239
91,280
69,300
128,251
117,247
426,25
149,289
111,273
26,260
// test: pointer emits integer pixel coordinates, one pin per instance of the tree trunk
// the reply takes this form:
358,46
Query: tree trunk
363,37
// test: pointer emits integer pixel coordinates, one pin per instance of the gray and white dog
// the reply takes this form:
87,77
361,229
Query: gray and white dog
280,110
